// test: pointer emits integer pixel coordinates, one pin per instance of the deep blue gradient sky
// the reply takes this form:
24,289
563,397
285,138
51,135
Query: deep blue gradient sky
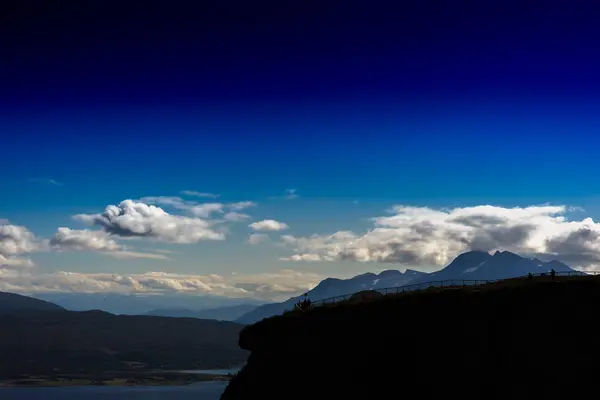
438,104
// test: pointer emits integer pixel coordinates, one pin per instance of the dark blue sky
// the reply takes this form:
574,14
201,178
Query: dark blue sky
304,91
428,103
232,51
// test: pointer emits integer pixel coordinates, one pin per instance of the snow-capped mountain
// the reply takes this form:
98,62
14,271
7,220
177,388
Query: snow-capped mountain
470,265
500,265
331,287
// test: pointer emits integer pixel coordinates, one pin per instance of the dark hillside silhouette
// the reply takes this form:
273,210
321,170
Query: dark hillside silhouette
521,339
47,342
12,302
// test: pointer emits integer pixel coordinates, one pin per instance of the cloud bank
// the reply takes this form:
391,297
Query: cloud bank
67,239
421,236
276,286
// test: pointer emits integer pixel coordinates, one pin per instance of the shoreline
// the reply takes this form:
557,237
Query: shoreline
114,378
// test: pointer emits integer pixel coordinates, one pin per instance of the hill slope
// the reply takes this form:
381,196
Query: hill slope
12,302
40,341
518,339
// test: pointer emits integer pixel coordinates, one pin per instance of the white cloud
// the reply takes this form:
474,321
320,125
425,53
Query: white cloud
268,225
199,194
278,285
14,241
83,240
126,254
137,219
302,257
14,262
257,238
229,211
207,209
433,237
98,241
241,205
236,217
171,201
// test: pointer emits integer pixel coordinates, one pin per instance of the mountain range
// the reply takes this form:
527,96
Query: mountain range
139,304
38,337
476,265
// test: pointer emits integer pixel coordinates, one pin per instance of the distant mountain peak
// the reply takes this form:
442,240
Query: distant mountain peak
413,272
507,255
389,273
365,275
473,253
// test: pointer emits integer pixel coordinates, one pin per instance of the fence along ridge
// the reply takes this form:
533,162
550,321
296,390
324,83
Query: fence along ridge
417,286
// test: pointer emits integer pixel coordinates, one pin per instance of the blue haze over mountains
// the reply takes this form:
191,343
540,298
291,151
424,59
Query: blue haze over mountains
176,305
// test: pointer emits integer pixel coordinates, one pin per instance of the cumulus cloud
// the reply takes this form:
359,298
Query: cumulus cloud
15,241
268,225
137,219
14,262
257,238
199,194
229,211
98,241
275,286
207,209
433,237
78,240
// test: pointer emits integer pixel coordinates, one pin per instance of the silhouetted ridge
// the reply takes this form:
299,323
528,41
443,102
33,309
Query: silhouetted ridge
501,341
12,302
41,342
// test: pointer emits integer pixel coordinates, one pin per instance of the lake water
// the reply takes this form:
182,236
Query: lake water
213,371
198,391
